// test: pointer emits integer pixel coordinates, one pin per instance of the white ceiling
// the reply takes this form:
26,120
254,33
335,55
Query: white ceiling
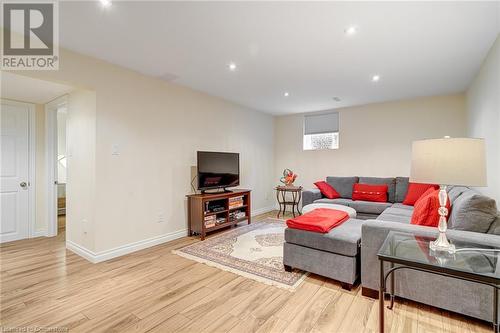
418,48
26,89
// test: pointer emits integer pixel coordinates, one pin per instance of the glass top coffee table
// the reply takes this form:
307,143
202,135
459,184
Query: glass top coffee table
472,262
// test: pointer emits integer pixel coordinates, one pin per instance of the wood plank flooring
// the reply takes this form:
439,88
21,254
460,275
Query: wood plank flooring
45,286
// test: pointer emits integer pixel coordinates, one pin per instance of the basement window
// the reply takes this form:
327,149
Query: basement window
321,131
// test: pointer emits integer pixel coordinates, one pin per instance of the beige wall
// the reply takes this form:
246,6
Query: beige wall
483,115
81,178
158,127
375,140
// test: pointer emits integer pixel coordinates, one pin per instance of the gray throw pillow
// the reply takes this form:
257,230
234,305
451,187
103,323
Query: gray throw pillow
472,211
343,185
495,226
455,191
401,188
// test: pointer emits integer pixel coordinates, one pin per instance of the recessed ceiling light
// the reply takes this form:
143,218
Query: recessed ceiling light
336,99
375,78
232,66
286,94
106,3
351,30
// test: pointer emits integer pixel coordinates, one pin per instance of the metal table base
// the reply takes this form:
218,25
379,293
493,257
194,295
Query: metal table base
383,283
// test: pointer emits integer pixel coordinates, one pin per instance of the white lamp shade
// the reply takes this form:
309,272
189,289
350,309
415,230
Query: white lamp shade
449,161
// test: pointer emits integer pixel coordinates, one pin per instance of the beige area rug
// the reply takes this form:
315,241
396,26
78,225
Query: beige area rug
254,251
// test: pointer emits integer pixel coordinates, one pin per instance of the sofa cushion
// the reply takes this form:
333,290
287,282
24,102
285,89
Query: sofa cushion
401,188
400,210
390,182
369,207
387,216
472,211
344,239
343,185
402,206
339,201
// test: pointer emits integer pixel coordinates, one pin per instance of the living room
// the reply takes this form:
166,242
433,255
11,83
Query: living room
241,78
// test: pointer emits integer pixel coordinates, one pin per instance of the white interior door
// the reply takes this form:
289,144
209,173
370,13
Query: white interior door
14,175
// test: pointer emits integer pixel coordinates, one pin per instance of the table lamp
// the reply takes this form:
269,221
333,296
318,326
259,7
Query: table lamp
448,161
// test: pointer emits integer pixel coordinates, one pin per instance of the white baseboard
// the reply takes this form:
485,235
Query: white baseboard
81,251
263,210
96,257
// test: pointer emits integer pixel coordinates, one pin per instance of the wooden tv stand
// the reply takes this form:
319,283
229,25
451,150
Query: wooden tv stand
202,206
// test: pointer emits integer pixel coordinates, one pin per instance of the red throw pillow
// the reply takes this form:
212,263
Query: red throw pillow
369,192
426,209
415,191
426,193
327,190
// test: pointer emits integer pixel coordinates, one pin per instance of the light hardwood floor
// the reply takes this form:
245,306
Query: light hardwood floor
153,290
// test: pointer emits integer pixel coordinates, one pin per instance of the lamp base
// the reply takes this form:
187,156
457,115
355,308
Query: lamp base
441,244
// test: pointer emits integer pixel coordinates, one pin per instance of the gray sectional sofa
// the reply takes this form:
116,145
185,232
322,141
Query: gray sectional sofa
349,252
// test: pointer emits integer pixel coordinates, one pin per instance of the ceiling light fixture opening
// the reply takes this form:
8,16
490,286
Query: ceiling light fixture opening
351,30
336,99
105,3
375,78
286,94
232,66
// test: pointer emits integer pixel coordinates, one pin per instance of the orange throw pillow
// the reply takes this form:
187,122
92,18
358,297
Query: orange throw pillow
426,209
415,191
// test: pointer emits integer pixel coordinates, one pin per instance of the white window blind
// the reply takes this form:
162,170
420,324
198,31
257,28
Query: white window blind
321,123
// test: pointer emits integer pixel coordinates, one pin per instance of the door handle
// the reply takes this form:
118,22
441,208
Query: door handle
23,185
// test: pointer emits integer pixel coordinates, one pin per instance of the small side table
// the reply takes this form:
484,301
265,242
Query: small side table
281,196
407,251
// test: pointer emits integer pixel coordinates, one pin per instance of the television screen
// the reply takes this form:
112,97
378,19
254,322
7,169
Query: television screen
218,170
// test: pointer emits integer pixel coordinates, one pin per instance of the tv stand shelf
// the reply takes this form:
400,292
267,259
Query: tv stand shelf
200,207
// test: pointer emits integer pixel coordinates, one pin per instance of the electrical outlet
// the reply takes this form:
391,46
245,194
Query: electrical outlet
161,218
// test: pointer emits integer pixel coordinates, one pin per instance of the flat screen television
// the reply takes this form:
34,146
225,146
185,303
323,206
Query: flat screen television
218,170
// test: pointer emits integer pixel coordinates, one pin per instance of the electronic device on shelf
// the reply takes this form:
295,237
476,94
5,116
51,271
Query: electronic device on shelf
218,170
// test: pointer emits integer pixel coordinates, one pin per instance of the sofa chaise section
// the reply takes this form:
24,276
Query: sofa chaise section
334,254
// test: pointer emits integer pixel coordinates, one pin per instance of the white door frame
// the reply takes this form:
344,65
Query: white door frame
31,166
51,159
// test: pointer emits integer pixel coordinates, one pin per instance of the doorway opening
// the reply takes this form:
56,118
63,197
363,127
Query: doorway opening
62,113
57,164
26,173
